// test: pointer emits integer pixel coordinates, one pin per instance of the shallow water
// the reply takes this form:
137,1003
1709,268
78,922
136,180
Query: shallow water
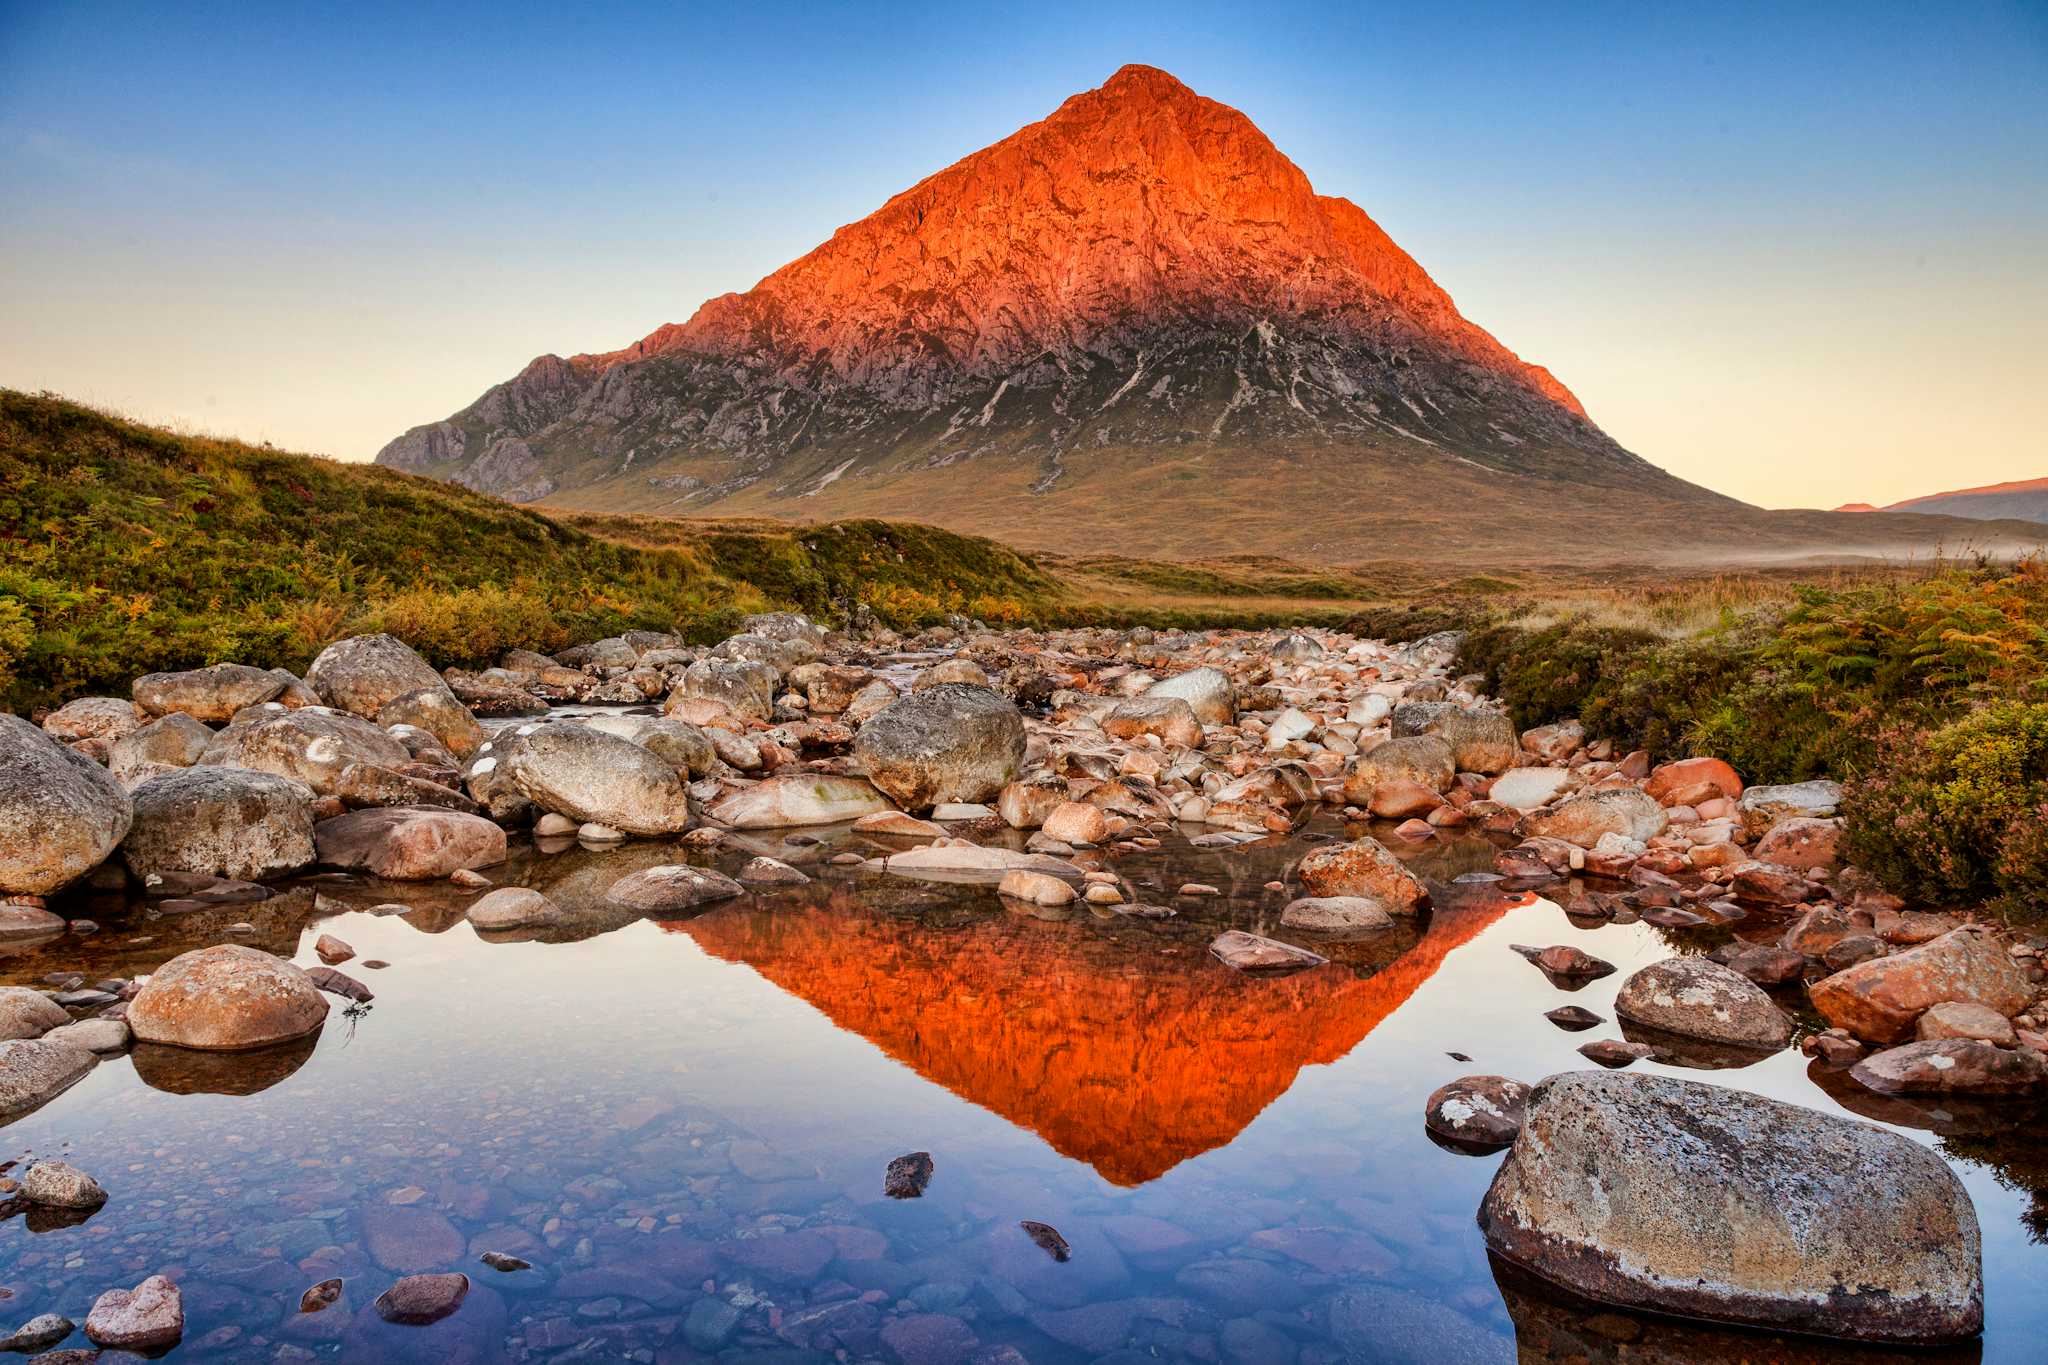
684,1126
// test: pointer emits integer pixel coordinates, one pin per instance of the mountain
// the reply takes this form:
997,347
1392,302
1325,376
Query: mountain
2019,500
1132,325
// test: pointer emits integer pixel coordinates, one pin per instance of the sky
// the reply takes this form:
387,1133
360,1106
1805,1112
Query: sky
1797,253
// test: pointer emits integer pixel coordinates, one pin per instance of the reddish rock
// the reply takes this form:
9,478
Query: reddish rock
1763,884
149,1317
409,843
1400,799
1802,844
1671,779
1881,999
1364,868
418,1300
1952,1066
226,998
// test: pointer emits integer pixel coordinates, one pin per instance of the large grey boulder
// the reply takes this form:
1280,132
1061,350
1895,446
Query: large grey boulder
106,718
436,711
1208,690
680,744
313,745
173,741
1701,999
743,687
780,655
952,742
1422,759
61,814
1667,1195
587,775
224,822
210,695
33,1072
791,626
1481,740
365,673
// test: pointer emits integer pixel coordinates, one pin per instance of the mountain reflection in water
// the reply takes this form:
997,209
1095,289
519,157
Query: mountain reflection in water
1130,1060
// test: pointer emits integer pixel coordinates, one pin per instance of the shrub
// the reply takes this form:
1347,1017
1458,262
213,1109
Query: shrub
1958,813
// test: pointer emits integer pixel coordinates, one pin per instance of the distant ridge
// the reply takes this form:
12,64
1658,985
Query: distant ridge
2019,499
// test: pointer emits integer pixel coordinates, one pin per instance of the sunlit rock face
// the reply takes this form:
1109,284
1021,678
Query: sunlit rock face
1130,1062
1140,272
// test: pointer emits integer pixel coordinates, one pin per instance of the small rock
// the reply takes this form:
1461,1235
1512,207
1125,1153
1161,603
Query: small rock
332,950
60,1185
149,1317
39,1333
417,1300
1612,1052
907,1176
1252,953
503,1263
320,1296
1574,1018
1047,1238
1477,1113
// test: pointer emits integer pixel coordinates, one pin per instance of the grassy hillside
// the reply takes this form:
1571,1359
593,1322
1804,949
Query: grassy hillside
126,549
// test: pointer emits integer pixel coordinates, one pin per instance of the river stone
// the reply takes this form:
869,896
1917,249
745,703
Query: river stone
1964,1019
792,627
675,742
224,999
1527,788
1035,888
419,1300
224,822
1880,1000
1477,1113
313,745
810,799
148,1318
173,741
436,711
1656,1193
366,784
1481,740
1364,868
976,862
666,890
1761,807
1170,718
1244,952
1584,818
1952,1066
92,718
1336,914
92,1035
408,843
589,776
26,1013
365,673
33,1072
1424,760
1076,822
211,695
950,742
1208,691
1697,998
744,687
1671,778
61,814
513,907
60,1185
40,1333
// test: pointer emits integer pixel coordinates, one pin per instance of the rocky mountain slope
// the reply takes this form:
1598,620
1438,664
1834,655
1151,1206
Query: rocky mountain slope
2020,500
1134,324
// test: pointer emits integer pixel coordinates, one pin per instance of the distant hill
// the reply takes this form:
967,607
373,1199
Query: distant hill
2019,500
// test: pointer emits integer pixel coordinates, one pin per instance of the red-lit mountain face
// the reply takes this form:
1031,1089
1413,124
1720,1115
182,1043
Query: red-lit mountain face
1133,300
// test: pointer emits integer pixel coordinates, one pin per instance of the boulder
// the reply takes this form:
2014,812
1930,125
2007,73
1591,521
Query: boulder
60,1185
1207,691
1035,888
1422,759
408,843
224,999
223,822
809,799
1076,822
1880,1000
964,671
209,695
1336,914
365,673
586,775
173,741
1962,1019
1668,780
366,784
1555,743
1761,807
831,688
1244,952
1477,1113
61,814
790,626
1952,1066
26,1013
33,1072
949,742
312,745
1527,788
674,741
780,655
1803,844
1697,998
1584,818
1170,718
1364,868
1481,740
513,907
92,718
149,1318
436,711
746,689
662,891
1024,805
1666,1195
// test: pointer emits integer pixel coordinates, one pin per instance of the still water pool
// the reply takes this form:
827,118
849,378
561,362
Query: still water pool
684,1125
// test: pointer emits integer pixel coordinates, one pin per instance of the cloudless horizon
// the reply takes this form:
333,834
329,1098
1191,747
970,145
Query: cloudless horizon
1794,255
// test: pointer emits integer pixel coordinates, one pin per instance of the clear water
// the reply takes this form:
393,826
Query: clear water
684,1127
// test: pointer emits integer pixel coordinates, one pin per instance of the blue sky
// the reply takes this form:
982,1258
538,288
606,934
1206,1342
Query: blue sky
1793,252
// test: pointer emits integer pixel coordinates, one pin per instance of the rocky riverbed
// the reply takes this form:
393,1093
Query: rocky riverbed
578,1009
